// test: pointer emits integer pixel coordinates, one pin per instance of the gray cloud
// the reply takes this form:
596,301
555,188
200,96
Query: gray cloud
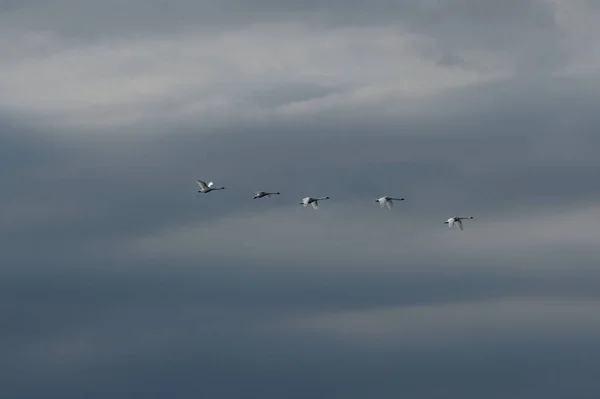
135,62
459,24
120,280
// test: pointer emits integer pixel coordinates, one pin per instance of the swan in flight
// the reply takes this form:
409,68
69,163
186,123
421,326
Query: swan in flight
207,188
388,201
260,194
458,221
312,201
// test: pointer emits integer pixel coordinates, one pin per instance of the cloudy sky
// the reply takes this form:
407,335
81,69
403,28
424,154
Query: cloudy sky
118,280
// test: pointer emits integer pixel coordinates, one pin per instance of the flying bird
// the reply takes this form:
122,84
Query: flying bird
207,188
388,201
456,220
260,194
312,201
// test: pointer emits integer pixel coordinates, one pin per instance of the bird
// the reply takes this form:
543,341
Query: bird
388,201
260,194
313,201
456,220
207,188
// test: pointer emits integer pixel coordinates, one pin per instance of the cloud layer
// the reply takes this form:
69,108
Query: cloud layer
119,280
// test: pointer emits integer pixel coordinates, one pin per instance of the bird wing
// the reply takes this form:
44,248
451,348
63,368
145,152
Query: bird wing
460,225
210,184
450,222
202,185
389,204
315,205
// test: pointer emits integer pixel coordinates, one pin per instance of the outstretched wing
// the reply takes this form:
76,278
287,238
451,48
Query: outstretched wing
459,222
450,222
210,184
315,205
202,185
389,204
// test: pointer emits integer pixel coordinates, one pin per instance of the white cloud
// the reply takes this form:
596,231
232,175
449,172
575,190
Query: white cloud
581,35
353,234
195,76
531,233
444,324
189,74
337,232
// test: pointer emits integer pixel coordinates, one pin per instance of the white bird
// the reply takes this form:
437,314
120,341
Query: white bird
312,201
207,188
456,220
260,194
388,201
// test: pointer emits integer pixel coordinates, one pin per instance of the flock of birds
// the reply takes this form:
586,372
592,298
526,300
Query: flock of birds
314,202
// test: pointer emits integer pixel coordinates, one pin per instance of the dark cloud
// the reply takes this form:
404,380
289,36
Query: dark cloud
208,330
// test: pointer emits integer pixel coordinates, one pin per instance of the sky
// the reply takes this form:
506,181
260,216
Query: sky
119,280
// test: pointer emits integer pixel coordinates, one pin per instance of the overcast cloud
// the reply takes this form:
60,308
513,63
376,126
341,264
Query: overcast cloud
118,280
